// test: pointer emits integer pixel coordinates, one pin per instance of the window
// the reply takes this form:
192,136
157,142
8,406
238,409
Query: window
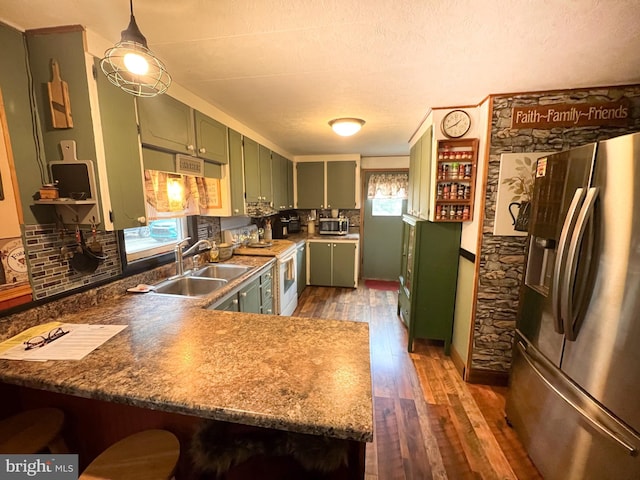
387,191
159,237
386,207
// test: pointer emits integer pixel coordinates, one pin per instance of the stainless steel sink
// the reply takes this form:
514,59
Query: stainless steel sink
221,270
190,286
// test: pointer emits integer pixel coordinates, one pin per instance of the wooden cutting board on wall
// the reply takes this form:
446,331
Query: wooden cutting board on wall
59,99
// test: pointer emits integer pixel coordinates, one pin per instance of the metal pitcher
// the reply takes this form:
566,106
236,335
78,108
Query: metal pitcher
521,221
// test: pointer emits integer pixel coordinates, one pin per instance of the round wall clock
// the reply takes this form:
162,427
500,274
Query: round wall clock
456,123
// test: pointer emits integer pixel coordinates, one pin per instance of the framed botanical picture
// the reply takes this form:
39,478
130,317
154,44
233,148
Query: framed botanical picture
515,188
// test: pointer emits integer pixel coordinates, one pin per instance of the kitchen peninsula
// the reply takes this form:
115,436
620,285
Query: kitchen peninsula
178,360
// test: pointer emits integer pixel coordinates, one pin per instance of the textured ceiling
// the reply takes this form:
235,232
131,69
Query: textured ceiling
284,68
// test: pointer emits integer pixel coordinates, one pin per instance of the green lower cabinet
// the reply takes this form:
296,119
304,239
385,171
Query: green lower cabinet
254,297
266,293
249,297
231,304
320,263
332,264
344,265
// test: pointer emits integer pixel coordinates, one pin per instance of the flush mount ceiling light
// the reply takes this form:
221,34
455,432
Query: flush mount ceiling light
346,126
131,66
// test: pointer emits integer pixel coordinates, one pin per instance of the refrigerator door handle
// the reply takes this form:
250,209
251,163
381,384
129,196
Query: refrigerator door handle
570,309
560,262
599,426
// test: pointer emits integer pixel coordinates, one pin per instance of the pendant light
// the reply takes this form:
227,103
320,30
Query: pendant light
134,68
346,127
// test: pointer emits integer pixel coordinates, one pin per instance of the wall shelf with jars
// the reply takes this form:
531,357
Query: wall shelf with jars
454,180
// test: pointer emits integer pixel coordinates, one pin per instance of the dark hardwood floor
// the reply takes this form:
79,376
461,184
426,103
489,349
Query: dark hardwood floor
429,423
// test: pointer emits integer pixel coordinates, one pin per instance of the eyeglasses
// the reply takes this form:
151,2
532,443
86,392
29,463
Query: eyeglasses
42,340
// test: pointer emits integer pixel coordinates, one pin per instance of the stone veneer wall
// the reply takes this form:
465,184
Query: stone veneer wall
50,274
502,258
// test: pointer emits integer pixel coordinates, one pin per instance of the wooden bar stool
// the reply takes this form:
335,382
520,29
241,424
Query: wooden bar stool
33,431
146,455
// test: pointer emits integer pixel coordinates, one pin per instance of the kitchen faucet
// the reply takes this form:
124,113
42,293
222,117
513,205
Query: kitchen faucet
180,254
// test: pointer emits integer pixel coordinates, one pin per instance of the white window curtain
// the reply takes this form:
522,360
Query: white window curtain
173,195
388,185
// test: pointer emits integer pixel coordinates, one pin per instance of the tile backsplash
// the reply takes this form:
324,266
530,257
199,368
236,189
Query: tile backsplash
50,273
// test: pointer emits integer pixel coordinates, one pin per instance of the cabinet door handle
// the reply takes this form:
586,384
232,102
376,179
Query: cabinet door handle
268,291
243,294
202,150
191,148
234,301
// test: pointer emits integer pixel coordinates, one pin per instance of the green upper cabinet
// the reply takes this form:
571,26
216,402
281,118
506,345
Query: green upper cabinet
425,173
341,184
420,176
168,124
266,192
290,199
414,179
211,138
413,157
327,184
122,154
251,170
236,173
257,172
310,183
282,178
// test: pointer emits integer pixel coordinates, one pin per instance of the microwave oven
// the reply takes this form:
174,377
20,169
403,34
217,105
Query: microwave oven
333,226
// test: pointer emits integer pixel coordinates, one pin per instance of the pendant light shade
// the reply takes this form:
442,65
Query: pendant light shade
134,68
346,126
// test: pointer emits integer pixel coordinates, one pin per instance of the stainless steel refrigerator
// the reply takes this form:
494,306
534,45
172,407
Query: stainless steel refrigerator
574,396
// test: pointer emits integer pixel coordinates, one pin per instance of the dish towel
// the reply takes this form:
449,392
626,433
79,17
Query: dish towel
289,272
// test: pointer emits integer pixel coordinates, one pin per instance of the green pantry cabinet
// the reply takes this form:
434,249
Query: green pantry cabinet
428,276
326,184
254,297
332,263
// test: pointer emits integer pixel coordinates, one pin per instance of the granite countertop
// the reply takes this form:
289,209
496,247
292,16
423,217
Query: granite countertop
306,375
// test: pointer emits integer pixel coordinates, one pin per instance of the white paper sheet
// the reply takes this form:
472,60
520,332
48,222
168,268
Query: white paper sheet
81,340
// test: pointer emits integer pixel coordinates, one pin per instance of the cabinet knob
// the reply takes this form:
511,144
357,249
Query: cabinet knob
142,219
191,148
236,210
243,294
269,311
268,291
202,150
234,301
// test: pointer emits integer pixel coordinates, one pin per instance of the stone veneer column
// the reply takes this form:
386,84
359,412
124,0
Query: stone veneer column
501,257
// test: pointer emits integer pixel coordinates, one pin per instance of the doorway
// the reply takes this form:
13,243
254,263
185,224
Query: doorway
382,229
